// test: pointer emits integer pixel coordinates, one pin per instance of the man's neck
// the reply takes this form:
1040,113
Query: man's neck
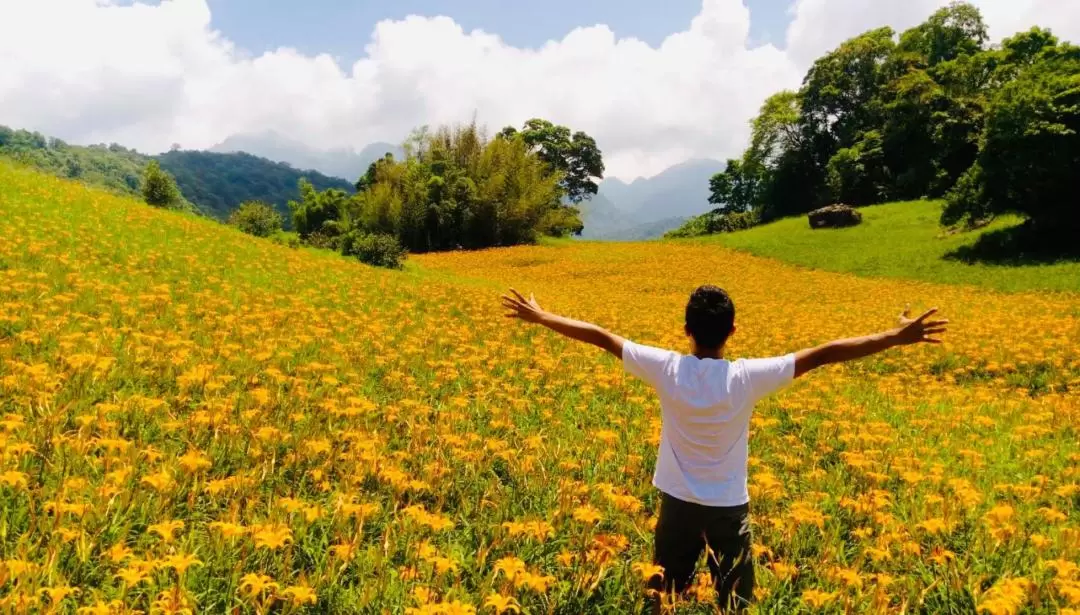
709,353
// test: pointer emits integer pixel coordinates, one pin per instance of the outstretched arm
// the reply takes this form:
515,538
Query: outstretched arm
910,331
530,311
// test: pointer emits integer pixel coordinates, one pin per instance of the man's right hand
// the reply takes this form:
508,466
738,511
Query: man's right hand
921,329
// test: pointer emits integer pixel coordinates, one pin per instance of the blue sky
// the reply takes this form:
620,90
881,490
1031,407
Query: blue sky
342,27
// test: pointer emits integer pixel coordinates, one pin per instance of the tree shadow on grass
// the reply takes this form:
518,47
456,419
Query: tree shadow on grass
1018,246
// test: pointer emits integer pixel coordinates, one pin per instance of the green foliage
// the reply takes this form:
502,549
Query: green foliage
458,189
576,158
1030,150
715,221
840,98
375,249
111,166
857,175
285,238
219,183
159,188
318,212
256,218
736,187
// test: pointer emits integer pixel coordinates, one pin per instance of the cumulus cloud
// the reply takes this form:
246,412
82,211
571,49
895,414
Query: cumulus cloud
819,25
149,76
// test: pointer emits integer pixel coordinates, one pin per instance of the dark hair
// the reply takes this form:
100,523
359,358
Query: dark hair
710,316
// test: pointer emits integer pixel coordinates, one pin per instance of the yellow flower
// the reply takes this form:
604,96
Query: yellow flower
166,529
300,594
502,604
13,478
58,593
254,584
817,598
194,460
180,563
132,575
587,514
272,537
647,570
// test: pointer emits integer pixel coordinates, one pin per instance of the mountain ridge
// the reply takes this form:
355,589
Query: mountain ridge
344,163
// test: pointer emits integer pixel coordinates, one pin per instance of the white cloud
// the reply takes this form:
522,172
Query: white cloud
819,25
149,76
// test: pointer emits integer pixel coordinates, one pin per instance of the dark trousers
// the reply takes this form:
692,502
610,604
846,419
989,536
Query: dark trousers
685,529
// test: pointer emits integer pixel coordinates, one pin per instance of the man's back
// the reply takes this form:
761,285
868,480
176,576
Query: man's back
706,405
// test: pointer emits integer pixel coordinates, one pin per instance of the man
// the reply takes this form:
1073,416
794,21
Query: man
706,403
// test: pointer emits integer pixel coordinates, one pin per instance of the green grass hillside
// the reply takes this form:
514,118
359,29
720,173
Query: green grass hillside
900,240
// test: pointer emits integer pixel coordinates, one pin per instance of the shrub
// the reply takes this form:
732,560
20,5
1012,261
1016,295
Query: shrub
284,238
324,240
374,249
256,218
715,221
159,188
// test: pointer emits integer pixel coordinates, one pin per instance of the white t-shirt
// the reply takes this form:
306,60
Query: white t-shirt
706,406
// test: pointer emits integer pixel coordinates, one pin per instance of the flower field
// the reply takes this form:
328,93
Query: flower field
194,420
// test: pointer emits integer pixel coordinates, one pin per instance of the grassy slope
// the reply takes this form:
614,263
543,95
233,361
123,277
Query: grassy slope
898,240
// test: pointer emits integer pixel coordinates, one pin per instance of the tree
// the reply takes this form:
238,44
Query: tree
857,175
574,156
840,97
458,189
774,131
159,188
949,33
1030,149
318,212
734,188
256,218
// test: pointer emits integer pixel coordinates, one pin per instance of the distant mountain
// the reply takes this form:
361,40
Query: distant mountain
218,183
346,164
649,207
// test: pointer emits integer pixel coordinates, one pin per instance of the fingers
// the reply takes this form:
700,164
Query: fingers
518,295
928,314
936,323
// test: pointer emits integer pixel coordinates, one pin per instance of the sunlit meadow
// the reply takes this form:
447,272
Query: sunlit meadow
194,420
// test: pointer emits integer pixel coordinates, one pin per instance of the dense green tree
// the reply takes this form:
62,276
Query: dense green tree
458,189
949,33
774,132
159,188
840,98
1030,148
857,175
575,156
735,188
318,212
256,218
